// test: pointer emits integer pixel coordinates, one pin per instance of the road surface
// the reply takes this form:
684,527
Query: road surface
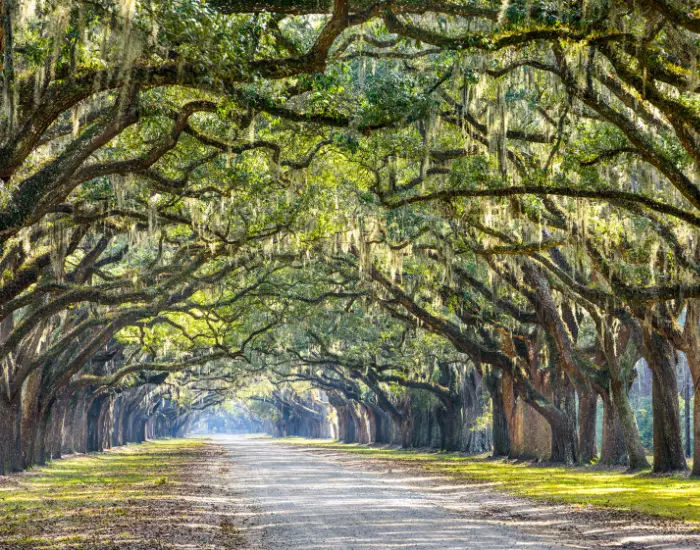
308,502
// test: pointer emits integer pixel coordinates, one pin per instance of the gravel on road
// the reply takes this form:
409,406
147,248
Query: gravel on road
309,499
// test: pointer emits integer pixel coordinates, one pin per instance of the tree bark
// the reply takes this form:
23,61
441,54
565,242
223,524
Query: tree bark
30,416
7,70
508,400
58,416
364,432
10,447
118,430
405,424
692,353
130,427
79,424
92,429
620,417
139,428
696,432
628,424
128,422
43,436
2,35
353,424
564,442
449,417
499,423
587,414
564,433
686,405
613,449
67,440
694,365
668,444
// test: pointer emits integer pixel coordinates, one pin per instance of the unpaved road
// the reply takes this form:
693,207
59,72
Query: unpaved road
311,500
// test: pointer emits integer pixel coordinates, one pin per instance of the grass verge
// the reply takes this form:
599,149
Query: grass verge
152,495
673,496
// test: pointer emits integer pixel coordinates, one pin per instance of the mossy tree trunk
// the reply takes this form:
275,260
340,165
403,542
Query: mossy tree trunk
10,446
564,432
499,425
668,443
43,438
29,425
696,432
449,417
692,352
628,424
508,399
613,447
79,425
694,364
617,353
92,425
57,430
587,415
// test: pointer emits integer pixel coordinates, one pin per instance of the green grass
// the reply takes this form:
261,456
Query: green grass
672,496
89,500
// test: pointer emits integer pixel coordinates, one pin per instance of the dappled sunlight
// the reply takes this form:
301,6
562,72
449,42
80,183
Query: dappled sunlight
309,502
673,496
154,495
464,225
258,493
398,493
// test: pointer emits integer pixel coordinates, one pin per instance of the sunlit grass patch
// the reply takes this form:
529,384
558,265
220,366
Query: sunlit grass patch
132,497
673,496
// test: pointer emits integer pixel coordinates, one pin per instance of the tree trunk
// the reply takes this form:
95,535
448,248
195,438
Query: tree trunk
628,423
614,449
105,423
364,434
2,35
118,431
405,422
58,418
140,426
696,432
352,424
127,421
129,426
42,440
668,444
508,400
692,354
499,424
686,406
473,438
449,417
694,365
10,447
79,425
67,440
30,416
92,439
587,413
564,441
564,432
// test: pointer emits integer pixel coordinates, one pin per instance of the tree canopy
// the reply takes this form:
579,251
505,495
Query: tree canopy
468,207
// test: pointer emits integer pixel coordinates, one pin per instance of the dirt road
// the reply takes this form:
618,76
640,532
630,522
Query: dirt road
311,500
